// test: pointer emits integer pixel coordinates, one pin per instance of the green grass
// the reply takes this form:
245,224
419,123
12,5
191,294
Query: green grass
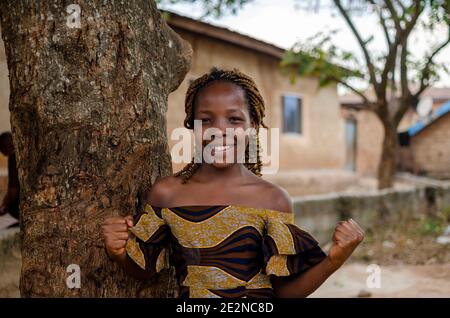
432,226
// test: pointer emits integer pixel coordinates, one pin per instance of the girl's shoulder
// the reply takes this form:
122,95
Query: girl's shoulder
163,191
275,197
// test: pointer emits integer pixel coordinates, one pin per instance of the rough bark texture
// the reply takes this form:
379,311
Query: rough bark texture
88,109
387,164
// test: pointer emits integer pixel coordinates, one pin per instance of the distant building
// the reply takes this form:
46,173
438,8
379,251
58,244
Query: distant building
369,133
425,145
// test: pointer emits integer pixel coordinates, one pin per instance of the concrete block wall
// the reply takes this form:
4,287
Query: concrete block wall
319,214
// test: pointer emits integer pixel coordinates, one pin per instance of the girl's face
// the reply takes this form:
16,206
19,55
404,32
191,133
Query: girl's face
221,105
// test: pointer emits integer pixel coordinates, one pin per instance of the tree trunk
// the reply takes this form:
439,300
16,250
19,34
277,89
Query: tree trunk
388,160
88,105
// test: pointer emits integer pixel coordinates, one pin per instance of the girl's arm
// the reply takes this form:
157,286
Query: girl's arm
346,237
131,268
115,233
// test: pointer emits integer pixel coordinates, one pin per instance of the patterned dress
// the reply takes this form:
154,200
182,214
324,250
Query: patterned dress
222,251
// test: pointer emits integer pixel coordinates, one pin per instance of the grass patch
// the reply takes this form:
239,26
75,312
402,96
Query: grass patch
411,241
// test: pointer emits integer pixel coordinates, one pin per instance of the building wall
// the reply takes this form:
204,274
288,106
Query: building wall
369,140
321,145
431,148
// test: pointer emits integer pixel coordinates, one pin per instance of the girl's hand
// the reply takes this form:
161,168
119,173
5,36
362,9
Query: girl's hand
115,233
347,236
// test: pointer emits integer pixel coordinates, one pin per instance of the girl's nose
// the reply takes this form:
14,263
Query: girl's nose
222,125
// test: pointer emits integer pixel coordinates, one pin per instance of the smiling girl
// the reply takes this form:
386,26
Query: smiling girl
227,232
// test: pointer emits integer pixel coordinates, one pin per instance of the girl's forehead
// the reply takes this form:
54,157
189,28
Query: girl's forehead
221,91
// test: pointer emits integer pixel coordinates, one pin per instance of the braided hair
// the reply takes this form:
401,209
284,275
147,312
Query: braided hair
254,101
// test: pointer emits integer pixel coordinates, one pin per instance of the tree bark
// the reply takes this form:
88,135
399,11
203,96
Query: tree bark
388,160
88,105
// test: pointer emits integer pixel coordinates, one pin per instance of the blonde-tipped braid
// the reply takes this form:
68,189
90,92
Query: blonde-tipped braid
256,109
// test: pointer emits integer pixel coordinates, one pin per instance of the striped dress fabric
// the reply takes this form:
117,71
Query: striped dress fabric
222,251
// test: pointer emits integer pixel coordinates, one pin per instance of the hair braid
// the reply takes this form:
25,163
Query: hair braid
256,108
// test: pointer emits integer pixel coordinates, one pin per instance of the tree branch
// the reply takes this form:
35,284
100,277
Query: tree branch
401,35
362,44
401,5
406,98
370,105
394,15
426,69
404,69
382,22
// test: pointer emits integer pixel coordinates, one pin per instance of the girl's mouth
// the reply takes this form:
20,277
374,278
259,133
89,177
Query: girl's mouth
221,150
218,149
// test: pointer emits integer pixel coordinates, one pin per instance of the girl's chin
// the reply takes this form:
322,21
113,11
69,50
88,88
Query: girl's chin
222,165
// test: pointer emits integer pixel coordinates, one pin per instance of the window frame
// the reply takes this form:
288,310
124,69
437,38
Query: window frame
301,113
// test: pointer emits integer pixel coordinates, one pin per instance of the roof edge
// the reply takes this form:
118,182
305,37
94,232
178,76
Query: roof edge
433,117
217,32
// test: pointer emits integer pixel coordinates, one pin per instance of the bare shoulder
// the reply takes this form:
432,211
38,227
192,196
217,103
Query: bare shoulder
277,197
163,191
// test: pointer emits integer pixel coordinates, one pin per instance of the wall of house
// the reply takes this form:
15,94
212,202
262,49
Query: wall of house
431,148
368,140
322,143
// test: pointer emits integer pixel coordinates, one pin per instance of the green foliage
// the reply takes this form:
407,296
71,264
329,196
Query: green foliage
432,226
318,56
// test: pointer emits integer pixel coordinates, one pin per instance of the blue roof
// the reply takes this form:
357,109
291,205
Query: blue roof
425,122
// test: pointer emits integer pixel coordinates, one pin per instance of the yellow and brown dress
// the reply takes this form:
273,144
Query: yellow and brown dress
222,251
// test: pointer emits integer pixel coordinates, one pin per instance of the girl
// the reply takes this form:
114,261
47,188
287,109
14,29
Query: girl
227,232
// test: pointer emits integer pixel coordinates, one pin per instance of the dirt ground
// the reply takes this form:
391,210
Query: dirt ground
10,275
395,281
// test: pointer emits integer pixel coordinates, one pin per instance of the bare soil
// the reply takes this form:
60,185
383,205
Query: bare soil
411,263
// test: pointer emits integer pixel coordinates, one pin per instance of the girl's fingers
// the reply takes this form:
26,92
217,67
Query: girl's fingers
341,235
357,226
349,235
121,236
347,226
129,220
355,230
116,228
352,228
117,244
114,220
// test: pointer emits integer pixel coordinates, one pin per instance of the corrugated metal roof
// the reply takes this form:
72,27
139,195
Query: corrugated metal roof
425,122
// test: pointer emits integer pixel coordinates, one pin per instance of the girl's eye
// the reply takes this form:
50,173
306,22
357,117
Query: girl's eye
204,120
235,119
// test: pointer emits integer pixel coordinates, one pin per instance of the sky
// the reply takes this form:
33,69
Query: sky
279,22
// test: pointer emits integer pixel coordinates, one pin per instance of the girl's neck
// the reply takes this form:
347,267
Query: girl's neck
207,173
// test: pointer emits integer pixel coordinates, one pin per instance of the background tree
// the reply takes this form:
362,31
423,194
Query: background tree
395,76
89,86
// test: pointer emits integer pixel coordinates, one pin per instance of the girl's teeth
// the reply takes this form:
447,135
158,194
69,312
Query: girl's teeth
222,148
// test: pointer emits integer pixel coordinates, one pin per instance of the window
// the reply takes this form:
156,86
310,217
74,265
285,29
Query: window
292,114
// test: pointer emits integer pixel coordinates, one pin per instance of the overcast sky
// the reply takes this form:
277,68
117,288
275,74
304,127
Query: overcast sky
280,23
